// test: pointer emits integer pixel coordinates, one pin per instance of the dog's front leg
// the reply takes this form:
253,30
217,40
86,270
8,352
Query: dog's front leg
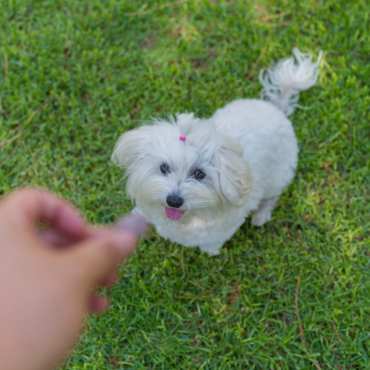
263,213
211,249
137,211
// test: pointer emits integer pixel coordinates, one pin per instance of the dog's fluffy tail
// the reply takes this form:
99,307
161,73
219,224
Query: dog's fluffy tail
283,83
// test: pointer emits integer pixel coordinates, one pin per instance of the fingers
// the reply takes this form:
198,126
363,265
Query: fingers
131,223
27,207
95,258
97,303
56,239
99,254
110,279
96,254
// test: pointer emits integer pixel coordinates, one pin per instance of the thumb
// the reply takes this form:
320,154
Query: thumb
101,252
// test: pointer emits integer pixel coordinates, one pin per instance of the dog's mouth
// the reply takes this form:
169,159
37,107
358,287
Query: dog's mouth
174,214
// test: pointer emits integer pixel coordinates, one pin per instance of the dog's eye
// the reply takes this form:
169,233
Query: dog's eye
165,169
198,174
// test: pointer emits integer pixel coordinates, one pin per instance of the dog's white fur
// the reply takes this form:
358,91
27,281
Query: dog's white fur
248,151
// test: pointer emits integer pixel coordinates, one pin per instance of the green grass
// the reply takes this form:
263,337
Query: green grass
77,74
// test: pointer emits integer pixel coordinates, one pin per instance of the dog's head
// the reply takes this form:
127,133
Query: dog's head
180,168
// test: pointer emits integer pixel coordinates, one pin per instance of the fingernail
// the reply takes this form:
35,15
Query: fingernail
138,225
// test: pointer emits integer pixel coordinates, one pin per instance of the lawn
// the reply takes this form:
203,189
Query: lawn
76,74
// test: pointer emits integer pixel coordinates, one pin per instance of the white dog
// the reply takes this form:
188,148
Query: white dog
197,179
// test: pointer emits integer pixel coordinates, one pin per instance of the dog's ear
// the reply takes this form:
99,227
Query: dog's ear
235,174
129,147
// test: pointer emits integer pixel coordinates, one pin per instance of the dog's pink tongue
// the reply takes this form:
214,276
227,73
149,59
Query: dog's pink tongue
174,214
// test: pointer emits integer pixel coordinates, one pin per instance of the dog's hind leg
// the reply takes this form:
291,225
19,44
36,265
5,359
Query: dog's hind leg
263,213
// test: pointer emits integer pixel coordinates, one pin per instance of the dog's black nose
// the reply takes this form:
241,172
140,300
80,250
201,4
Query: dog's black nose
174,201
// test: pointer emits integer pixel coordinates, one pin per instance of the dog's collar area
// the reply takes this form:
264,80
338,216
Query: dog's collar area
182,138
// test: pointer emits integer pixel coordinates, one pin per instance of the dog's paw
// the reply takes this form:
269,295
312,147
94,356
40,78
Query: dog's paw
211,252
261,217
136,211
263,213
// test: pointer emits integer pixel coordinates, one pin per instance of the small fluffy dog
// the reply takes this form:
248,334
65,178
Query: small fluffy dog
197,179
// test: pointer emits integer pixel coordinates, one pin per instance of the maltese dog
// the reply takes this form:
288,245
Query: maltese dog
198,179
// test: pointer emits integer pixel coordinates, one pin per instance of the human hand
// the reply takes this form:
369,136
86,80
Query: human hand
47,278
